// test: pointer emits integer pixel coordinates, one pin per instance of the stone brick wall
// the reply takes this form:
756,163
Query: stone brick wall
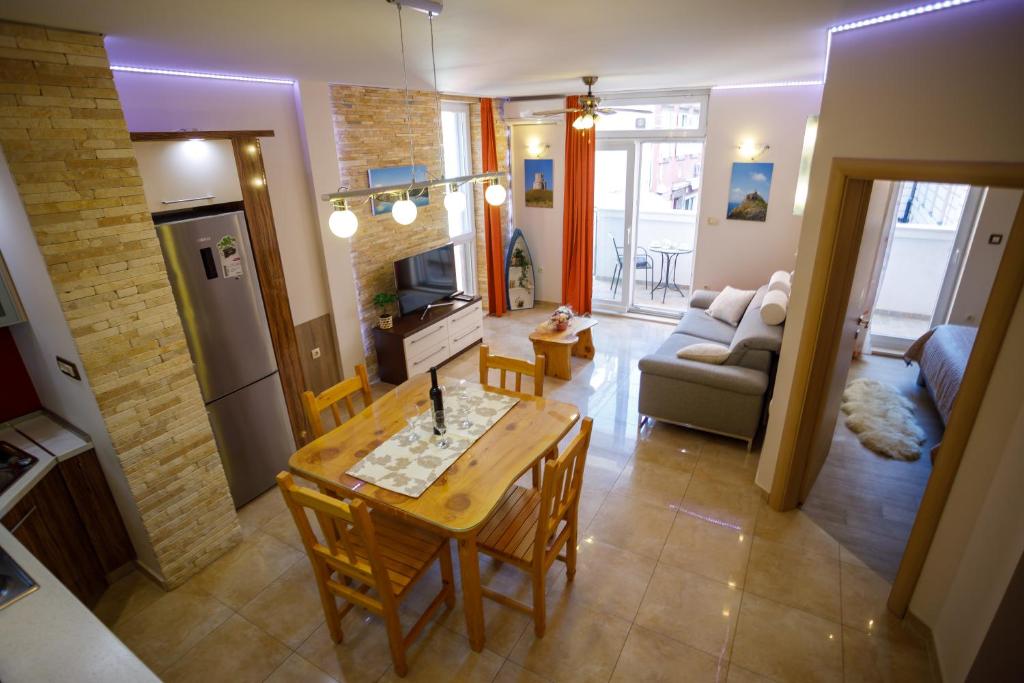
371,132
68,148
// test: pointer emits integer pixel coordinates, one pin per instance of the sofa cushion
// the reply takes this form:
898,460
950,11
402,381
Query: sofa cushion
705,352
730,305
664,363
698,323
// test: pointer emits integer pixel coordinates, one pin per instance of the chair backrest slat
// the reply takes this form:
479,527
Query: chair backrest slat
348,530
561,486
516,366
315,404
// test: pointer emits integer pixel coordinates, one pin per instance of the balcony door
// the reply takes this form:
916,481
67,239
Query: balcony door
647,177
930,227
614,189
645,224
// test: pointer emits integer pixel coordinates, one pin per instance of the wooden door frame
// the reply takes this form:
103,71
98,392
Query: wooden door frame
829,292
266,254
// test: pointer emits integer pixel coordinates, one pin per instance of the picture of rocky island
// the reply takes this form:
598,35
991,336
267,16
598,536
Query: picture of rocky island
748,191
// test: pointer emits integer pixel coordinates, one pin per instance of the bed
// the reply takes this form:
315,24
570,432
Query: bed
941,353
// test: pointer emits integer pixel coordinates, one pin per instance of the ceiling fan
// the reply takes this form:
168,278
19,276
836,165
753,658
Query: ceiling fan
590,108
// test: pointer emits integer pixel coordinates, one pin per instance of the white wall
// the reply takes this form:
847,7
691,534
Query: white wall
917,89
160,103
997,211
44,337
542,227
745,253
313,102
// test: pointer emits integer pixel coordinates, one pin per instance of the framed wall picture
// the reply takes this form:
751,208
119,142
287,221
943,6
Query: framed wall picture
395,175
748,191
539,178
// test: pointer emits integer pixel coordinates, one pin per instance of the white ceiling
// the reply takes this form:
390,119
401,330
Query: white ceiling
484,47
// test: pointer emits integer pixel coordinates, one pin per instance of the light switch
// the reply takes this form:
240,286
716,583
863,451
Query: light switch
995,238
712,220
315,353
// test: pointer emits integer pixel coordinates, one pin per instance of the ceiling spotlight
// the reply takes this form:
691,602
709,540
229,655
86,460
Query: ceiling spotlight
343,223
404,211
495,194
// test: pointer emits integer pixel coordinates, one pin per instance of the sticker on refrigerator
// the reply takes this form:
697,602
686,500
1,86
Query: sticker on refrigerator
230,257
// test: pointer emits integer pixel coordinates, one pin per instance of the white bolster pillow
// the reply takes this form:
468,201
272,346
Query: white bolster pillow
779,282
773,308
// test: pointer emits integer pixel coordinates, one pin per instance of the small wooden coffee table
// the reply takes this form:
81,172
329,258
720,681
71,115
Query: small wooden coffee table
557,347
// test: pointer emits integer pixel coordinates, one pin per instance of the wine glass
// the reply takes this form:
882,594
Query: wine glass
412,412
461,393
441,428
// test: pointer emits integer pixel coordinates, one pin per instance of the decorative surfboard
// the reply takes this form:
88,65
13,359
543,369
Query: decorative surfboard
519,273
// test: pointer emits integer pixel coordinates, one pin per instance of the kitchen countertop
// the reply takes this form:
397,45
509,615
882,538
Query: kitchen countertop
48,635
48,438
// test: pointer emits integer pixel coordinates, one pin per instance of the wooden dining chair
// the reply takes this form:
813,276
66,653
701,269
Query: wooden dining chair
507,365
530,527
518,368
366,552
316,404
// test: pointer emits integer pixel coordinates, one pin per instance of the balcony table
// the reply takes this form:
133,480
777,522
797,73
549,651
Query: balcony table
669,263
460,501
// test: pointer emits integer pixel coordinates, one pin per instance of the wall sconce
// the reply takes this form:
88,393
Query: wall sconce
752,150
536,150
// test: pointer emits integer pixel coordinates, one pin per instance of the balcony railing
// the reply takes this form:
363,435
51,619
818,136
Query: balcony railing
677,227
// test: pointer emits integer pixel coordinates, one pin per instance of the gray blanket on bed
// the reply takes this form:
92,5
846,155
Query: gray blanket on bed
942,354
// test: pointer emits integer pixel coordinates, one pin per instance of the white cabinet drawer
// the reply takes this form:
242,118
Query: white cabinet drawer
474,312
426,342
458,340
438,355
461,323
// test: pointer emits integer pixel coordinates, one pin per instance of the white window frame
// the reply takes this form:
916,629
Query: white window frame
634,99
467,238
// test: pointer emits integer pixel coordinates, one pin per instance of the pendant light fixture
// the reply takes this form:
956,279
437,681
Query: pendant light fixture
343,222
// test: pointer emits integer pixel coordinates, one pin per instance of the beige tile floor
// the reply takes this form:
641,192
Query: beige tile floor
684,575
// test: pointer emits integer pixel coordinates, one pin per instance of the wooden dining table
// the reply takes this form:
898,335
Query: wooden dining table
459,502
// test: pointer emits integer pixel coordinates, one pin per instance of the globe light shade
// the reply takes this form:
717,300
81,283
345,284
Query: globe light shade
404,211
455,201
584,122
343,223
495,194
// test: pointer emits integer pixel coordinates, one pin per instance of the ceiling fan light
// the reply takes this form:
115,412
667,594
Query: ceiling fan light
495,194
583,122
404,211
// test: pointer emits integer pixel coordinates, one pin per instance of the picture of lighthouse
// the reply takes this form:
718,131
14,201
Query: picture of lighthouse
539,176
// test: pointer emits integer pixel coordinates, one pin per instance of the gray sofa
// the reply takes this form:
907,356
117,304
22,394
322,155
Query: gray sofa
725,399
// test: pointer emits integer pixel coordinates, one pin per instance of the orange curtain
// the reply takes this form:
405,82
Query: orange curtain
578,216
492,217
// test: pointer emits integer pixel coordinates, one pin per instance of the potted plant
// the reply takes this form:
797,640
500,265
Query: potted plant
383,301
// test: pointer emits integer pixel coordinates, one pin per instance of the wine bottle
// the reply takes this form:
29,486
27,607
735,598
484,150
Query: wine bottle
437,403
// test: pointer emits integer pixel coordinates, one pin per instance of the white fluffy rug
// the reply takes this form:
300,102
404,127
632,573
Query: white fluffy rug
883,419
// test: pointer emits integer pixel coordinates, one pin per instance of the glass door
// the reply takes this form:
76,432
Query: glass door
613,221
666,224
930,226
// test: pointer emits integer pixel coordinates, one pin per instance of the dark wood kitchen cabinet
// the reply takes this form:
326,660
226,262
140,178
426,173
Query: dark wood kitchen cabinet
69,522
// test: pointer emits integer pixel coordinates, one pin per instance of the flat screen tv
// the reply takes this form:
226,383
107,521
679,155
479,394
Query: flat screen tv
425,278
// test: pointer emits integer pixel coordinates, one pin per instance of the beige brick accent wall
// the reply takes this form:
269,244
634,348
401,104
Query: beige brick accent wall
68,148
371,132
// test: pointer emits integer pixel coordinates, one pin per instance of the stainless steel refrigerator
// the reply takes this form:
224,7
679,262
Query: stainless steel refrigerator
210,265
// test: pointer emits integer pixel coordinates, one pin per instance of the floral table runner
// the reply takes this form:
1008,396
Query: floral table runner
411,460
